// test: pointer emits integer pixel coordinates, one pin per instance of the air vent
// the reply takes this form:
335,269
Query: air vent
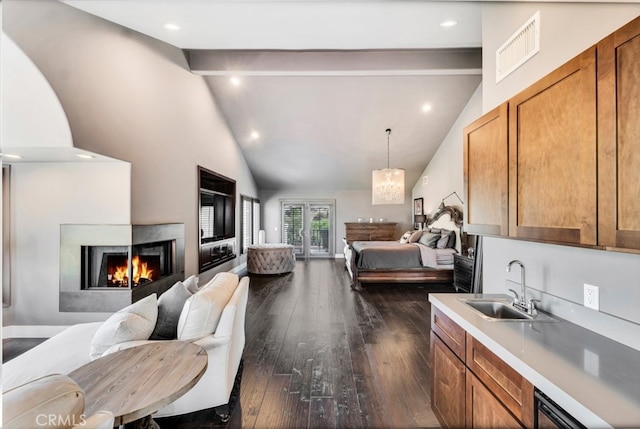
524,44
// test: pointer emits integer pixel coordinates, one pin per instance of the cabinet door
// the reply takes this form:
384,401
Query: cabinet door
619,138
447,385
513,391
486,173
552,156
484,411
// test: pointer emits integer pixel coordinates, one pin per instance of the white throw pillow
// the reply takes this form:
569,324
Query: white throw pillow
201,313
135,322
191,283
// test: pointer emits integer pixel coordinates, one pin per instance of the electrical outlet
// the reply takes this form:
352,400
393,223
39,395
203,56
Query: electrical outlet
591,297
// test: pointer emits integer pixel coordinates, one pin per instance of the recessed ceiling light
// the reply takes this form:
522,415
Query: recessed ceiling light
171,26
448,23
235,81
255,135
84,156
11,156
426,107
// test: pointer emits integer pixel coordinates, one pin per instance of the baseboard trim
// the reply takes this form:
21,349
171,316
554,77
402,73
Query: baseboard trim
339,256
32,331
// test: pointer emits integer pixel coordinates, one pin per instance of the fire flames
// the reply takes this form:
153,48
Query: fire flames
140,271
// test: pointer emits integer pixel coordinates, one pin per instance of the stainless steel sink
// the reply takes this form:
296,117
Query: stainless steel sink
502,310
498,310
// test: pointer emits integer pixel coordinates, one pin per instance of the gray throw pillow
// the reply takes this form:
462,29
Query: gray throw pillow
191,283
447,240
429,239
170,306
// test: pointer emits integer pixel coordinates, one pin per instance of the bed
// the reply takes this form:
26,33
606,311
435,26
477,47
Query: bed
425,261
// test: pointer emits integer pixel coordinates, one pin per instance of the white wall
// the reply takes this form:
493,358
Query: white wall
349,206
44,196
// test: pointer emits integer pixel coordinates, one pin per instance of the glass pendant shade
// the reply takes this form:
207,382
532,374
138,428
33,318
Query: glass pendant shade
388,186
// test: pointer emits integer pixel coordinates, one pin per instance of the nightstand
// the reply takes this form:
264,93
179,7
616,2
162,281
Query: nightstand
462,273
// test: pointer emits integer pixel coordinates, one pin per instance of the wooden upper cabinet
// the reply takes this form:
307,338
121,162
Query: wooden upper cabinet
486,176
619,138
552,156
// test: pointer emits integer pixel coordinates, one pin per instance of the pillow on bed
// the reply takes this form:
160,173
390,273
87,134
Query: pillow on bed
447,240
415,236
405,237
429,239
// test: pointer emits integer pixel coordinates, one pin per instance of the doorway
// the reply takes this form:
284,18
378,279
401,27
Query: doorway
308,225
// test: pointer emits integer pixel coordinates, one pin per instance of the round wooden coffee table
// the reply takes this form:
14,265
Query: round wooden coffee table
136,382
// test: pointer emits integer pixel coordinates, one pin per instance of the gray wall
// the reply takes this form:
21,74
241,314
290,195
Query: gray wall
349,206
554,273
561,271
131,98
566,30
445,168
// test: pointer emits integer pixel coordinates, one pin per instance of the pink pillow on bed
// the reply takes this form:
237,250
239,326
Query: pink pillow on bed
415,236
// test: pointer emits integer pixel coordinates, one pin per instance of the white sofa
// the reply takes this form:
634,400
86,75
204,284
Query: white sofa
55,402
71,348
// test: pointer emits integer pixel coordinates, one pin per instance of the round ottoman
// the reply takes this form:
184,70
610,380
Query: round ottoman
270,258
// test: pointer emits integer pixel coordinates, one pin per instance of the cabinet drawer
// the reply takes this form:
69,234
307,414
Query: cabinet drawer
511,388
462,263
449,332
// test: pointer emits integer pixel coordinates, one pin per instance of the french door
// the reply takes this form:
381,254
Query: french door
308,225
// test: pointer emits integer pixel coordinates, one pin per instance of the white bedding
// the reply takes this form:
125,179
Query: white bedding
435,258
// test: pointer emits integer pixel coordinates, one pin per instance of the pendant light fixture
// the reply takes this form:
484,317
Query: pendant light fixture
387,183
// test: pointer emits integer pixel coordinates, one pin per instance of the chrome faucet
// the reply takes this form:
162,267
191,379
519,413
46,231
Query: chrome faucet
521,301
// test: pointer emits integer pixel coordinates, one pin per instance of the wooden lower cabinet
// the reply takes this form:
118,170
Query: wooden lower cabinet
471,386
447,387
484,410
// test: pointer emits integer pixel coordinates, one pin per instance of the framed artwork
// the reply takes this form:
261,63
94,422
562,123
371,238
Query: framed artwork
417,206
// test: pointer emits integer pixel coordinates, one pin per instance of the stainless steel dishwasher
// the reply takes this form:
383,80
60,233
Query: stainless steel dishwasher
550,416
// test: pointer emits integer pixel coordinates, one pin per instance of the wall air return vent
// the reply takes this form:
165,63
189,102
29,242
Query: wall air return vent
524,44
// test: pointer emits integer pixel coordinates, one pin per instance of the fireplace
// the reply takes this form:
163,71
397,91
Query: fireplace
111,266
104,268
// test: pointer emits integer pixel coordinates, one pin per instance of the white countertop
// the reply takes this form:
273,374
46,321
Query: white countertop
595,379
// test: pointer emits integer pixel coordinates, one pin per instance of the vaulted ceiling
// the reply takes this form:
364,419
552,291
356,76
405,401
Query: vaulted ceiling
318,82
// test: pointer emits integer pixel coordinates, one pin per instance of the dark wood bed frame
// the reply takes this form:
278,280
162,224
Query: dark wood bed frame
411,275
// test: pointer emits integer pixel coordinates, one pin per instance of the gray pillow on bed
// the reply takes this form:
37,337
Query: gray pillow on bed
451,243
447,240
429,239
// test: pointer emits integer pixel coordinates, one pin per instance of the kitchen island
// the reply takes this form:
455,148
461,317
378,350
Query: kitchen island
593,378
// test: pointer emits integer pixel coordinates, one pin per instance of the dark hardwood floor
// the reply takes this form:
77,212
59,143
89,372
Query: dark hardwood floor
319,355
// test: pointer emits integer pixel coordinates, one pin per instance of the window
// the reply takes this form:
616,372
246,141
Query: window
250,222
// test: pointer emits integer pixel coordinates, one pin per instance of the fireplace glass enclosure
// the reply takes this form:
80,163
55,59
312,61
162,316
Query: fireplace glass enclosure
126,266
